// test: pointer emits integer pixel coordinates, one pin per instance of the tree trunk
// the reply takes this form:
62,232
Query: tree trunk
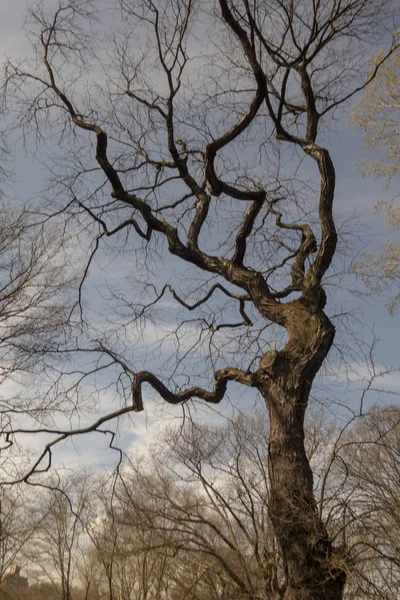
313,570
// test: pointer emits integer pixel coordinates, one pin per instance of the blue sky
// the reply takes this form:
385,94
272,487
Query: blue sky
355,196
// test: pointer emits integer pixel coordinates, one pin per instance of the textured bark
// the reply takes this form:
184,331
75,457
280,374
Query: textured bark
313,570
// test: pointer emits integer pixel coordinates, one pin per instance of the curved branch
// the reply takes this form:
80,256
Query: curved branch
216,186
241,298
216,286
221,378
62,436
108,232
328,243
307,247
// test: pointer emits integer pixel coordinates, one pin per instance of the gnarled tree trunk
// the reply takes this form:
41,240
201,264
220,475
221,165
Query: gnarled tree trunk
313,571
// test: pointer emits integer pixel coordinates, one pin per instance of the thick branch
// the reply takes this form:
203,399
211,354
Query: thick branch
217,187
307,247
221,381
245,231
328,243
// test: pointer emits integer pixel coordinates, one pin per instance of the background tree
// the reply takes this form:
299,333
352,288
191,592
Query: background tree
88,571
201,504
377,116
204,156
108,548
367,470
192,520
52,552
16,529
33,278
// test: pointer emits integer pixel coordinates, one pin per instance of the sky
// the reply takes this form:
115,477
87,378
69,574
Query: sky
355,198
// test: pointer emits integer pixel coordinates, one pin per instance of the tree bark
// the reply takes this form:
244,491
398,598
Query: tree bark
313,570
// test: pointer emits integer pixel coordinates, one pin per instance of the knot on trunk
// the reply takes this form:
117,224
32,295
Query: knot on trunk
268,361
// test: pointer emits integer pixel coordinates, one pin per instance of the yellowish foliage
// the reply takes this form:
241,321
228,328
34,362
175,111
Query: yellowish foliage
377,116
380,270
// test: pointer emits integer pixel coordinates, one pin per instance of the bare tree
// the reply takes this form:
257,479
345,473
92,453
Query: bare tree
366,471
192,520
202,503
53,550
16,529
199,146
32,277
107,548
87,569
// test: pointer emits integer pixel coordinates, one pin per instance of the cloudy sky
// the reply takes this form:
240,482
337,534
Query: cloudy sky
355,197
